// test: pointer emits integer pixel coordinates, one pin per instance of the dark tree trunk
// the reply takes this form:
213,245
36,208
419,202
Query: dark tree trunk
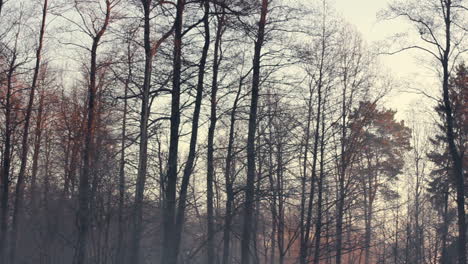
341,178
308,222
143,146
318,224
304,239
120,256
249,191
444,256
228,177
37,146
179,221
210,149
84,195
279,191
455,154
6,162
24,143
169,254
274,190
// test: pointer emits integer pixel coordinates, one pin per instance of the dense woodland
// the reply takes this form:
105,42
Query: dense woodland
217,131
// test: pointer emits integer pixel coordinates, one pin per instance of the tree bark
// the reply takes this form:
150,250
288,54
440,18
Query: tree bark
179,221
304,239
456,157
228,177
343,164
318,224
169,254
37,146
210,150
249,191
24,143
143,146
120,256
84,195
444,259
6,161
308,223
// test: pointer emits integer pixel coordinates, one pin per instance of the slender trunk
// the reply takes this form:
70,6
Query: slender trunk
84,188
143,147
169,254
456,156
120,256
279,191
368,230
304,239
249,191
395,251
45,200
273,243
37,146
318,225
444,256
228,173
194,136
210,150
6,163
341,178
308,223
24,142
84,195
418,238
274,213
257,216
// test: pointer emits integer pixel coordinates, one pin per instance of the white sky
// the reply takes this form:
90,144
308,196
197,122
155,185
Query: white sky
404,66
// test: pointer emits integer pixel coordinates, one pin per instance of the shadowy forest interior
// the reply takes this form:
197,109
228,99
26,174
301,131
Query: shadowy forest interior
231,131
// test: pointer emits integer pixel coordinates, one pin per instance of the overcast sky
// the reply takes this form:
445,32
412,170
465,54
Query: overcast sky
404,66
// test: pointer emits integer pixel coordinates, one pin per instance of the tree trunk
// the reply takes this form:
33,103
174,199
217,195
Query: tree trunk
37,146
308,223
24,143
368,226
456,156
84,195
274,190
143,147
120,256
169,254
249,191
210,149
341,178
228,177
279,191
318,225
194,136
444,256
304,239
6,163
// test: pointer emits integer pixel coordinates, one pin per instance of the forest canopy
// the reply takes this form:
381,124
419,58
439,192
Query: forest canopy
215,131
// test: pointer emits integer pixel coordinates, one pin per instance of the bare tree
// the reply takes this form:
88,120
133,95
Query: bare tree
440,26
83,214
151,48
24,142
249,189
169,252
